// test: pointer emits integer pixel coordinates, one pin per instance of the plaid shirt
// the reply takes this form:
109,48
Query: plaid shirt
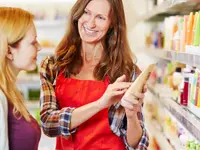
56,121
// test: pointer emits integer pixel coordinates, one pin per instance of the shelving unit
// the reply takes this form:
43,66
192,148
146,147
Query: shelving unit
28,82
188,118
50,33
181,113
168,9
160,137
47,50
28,78
49,23
174,143
182,57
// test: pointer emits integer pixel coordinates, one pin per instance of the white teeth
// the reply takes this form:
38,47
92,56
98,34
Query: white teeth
88,30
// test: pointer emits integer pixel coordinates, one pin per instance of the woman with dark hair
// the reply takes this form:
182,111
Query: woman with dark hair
82,85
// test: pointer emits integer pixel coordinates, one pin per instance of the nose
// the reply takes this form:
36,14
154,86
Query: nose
91,23
38,47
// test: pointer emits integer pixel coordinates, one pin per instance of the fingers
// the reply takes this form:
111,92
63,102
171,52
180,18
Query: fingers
121,79
140,101
131,101
126,105
118,93
130,106
120,85
136,95
144,89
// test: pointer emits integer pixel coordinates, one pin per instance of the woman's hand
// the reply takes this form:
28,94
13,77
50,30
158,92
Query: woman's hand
114,92
133,103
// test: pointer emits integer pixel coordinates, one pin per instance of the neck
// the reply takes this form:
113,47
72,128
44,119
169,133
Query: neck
15,71
91,53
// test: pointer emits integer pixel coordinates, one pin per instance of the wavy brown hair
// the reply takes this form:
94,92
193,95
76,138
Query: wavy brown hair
116,59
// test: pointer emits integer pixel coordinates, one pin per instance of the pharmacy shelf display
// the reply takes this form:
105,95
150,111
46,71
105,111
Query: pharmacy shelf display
175,39
159,136
168,8
190,121
50,24
191,58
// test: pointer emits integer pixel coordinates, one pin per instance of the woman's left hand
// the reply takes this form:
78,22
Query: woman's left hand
133,103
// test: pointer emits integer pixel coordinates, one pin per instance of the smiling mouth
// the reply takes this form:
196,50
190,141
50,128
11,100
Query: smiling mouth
88,31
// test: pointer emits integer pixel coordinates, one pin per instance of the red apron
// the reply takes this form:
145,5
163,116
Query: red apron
94,134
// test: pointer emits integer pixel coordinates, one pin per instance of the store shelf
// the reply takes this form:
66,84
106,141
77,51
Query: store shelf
29,79
194,109
181,113
49,23
47,50
182,57
189,135
154,130
174,141
167,8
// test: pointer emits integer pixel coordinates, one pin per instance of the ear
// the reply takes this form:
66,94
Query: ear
9,54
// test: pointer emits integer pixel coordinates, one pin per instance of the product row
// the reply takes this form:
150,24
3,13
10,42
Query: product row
177,33
184,82
166,132
151,4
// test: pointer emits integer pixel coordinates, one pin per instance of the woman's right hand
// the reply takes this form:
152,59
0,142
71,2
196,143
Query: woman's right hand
114,92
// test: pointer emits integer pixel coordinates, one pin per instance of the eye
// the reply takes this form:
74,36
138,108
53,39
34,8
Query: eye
86,12
101,17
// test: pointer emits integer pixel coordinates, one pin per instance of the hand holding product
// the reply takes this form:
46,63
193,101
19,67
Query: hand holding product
134,92
113,91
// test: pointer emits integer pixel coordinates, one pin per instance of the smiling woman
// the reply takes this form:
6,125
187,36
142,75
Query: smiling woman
83,84
95,21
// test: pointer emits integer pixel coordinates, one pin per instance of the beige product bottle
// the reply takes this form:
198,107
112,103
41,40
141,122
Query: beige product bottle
138,84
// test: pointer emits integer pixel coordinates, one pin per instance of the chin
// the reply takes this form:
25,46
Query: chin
91,40
31,68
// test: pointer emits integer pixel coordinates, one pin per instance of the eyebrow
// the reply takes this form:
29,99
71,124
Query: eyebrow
97,14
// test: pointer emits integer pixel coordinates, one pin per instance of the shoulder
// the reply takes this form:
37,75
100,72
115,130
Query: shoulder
46,68
3,121
3,98
47,62
3,104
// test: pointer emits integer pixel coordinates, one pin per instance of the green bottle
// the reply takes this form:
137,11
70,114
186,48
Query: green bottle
196,41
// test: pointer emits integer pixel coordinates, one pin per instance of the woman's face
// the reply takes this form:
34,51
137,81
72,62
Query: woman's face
25,54
95,21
